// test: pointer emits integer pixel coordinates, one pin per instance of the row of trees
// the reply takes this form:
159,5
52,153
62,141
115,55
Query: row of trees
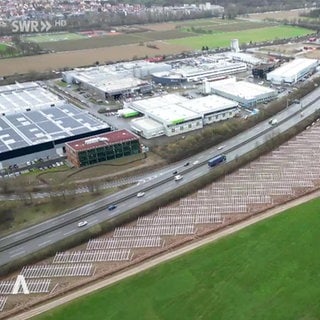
107,20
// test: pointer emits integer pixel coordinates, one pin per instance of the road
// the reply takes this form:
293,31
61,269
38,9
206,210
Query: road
160,183
163,258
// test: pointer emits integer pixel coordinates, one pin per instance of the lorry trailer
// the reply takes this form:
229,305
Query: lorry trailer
217,160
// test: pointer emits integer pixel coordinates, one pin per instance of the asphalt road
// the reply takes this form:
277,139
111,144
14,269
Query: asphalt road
160,182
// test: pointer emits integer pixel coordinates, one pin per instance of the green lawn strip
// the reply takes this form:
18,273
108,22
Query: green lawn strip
255,35
230,27
268,271
3,47
54,37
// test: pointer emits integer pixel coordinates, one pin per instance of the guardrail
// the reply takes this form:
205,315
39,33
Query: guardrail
131,195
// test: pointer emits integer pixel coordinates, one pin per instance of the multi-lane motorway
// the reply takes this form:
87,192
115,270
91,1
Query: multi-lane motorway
35,238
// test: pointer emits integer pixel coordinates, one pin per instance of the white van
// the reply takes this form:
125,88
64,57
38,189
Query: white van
178,177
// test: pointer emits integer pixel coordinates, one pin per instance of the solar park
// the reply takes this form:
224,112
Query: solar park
263,183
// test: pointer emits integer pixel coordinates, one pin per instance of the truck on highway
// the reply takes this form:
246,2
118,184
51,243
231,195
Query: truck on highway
217,160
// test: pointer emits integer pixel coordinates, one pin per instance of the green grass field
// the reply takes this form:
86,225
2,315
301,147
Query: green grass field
52,37
3,47
226,26
268,271
255,35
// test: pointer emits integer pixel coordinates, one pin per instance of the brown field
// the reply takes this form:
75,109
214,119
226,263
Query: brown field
294,48
72,59
161,26
85,52
116,40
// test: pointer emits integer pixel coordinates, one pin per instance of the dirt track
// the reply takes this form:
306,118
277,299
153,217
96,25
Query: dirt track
165,257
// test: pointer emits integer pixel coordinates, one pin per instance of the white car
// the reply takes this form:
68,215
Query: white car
82,223
273,122
178,177
140,194
221,147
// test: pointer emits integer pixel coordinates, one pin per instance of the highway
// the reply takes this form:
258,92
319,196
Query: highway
35,238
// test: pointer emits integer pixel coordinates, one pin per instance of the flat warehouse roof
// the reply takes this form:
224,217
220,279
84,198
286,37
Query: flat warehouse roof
293,67
102,140
116,85
34,127
242,89
209,104
146,123
146,105
19,97
172,114
16,86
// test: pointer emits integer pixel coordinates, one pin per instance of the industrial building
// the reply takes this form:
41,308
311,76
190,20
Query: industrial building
212,108
42,133
20,97
243,57
199,68
245,93
117,80
147,128
293,71
104,147
173,114
261,70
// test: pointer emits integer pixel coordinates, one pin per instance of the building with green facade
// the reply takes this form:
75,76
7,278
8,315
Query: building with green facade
104,147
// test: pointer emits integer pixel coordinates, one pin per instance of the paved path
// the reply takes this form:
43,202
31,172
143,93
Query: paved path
165,257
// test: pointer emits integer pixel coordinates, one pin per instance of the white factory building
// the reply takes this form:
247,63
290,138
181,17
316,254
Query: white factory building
173,114
292,71
244,57
211,66
115,80
247,94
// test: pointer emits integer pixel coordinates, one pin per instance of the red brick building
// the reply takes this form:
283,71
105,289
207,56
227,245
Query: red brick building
107,146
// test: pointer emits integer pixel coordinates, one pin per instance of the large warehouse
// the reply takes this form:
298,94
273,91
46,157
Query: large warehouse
42,133
107,146
35,123
26,96
173,114
198,70
117,80
293,71
245,93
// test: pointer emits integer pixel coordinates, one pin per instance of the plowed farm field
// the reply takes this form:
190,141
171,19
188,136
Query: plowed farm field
85,57
166,39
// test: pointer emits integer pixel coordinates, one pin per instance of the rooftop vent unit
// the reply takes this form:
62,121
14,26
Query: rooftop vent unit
95,140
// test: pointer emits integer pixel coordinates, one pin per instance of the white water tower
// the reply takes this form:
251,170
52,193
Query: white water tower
235,45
